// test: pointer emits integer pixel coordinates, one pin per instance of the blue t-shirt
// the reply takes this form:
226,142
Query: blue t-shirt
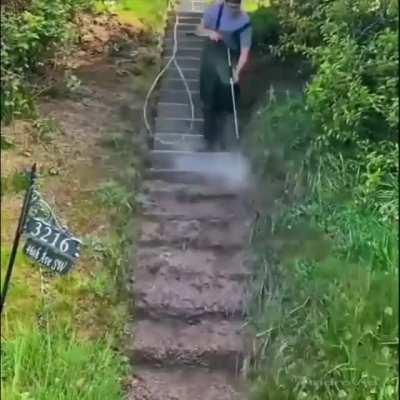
229,23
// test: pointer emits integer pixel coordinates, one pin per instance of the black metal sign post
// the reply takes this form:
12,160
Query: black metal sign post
20,228
47,242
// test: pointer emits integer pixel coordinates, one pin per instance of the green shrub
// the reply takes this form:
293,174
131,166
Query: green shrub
353,46
29,39
266,27
354,93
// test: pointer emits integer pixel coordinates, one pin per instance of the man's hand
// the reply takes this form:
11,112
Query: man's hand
215,36
235,75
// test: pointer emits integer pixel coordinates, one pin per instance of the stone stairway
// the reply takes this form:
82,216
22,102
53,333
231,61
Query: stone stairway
189,284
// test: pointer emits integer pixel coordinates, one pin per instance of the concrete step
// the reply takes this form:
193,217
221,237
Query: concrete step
178,125
177,84
187,160
186,62
183,26
180,231
184,384
179,97
231,180
184,52
190,300
185,14
191,19
191,6
211,208
188,73
210,344
175,141
192,263
179,176
183,37
184,42
230,169
176,110
190,193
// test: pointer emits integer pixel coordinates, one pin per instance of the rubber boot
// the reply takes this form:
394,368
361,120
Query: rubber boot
210,128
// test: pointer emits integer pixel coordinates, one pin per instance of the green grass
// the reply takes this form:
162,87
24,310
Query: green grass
86,310
251,5
112,194
150,13
41,365
14,183
326,321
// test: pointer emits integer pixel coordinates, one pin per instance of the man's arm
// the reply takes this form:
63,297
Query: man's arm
208,22
245,44
244,57
203,31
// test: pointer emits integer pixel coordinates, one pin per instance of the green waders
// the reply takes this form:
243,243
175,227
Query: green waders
215,89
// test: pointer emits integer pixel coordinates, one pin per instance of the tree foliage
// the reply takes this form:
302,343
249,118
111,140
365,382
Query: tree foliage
353,95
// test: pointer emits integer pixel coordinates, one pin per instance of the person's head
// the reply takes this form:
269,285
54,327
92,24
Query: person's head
234,5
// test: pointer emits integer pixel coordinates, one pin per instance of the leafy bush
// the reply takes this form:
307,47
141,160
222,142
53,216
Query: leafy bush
28,39
353,45
266,27
354,94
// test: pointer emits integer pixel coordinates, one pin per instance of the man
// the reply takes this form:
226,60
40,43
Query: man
227,26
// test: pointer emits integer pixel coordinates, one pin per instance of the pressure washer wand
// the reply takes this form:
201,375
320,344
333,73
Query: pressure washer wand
235,118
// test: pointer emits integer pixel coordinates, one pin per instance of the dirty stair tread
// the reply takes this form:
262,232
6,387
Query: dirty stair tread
188,208
189,191
173,110
226,232
178,125
179,141
177,84
210,162
195,297
184,384
179,96
212,344
180,176
191,263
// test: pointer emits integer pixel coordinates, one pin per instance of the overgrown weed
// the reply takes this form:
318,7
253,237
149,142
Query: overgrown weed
326,327
66,367
114,195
